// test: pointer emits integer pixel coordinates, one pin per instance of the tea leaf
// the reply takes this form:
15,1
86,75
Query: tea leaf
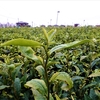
40,70
77,70
29,53
57,98
74,78
95,74
68,45
87,97
51,34
63,76
24,78
51,98
90,85
50,63
17,86
93,95
21,42
95,62
97,93
11,68
45,34
72,97
38,85
3,87
16,71
37,95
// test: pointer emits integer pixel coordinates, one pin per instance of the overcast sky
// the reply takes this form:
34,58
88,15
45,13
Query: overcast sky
45,11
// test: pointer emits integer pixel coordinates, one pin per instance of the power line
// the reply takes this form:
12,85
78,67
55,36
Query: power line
7,16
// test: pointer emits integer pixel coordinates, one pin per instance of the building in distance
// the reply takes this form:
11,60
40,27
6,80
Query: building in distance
22,24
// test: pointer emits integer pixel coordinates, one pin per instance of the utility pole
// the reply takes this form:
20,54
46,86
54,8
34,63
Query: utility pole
32,23
57,17
18,19
50,21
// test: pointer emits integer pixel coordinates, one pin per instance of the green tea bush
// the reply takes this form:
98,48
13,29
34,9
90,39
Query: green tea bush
51,64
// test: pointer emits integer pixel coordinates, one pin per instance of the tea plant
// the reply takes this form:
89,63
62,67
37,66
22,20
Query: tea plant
46,85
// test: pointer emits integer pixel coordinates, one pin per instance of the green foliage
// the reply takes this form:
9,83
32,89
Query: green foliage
68,45
17,86
22,42
57,98
39,85
50,64
3,87
29,53
40,70
96,73
63,76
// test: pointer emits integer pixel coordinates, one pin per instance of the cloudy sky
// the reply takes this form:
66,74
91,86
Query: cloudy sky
38,12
